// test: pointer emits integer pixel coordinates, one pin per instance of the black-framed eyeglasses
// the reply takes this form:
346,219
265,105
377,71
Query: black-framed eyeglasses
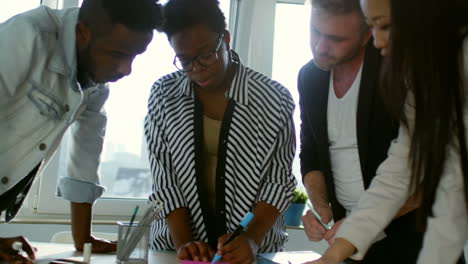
206,59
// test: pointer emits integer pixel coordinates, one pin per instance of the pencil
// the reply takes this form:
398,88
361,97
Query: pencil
135,211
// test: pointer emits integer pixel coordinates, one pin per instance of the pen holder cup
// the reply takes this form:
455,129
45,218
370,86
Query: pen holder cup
133,242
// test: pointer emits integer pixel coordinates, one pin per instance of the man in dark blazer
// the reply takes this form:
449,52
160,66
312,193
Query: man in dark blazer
345,130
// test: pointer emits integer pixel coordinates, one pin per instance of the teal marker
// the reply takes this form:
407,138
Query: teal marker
135,211
327,227
134,214
243,224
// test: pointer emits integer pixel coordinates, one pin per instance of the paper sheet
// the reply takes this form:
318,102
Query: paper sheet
199,262
260,260
62,260
295,257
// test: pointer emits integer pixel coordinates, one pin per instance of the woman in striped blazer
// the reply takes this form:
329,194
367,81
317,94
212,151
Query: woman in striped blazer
221,143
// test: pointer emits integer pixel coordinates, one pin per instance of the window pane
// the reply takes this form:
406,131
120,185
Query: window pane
224,4
291,52
11,8
124,167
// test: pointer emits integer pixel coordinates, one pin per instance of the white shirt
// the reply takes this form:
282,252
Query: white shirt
344,154
447,230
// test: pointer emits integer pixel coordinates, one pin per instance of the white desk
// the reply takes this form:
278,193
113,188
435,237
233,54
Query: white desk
49,251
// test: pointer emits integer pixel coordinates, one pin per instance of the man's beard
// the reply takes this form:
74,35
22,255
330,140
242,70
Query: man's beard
337,62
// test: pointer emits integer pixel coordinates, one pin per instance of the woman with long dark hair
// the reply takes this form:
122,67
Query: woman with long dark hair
424,85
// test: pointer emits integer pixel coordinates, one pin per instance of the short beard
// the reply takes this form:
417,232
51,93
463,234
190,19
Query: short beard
352,55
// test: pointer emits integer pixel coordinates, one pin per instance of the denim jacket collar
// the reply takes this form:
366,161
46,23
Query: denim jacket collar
63,60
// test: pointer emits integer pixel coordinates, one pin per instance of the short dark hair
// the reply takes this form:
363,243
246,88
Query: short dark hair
341,7
182,14
338,7
137,15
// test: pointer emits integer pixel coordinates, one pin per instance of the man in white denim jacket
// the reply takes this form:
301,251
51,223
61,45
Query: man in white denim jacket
52,75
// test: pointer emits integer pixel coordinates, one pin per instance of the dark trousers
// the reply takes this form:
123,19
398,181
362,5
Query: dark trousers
11,200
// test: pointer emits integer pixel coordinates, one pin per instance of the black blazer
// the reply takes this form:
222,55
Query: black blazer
375,131
375,128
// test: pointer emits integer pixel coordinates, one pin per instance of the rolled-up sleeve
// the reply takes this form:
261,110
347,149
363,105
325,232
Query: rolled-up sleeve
81,183
278,186
165,185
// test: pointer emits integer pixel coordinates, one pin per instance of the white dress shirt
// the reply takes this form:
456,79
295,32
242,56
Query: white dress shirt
344,153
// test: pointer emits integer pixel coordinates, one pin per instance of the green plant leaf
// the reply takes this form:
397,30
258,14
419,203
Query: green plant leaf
299,196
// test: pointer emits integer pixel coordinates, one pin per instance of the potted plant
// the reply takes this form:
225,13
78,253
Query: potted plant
293,215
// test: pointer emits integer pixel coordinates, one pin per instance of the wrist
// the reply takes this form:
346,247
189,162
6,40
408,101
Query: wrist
321,205
81,224
254,244
340,250
182,244
80,240
253,238
318,201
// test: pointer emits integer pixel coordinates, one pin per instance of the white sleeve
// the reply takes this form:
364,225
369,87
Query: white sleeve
384,197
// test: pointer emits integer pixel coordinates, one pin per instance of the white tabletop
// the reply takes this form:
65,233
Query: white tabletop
49,251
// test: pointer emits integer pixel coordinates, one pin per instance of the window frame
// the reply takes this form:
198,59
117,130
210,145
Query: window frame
297,2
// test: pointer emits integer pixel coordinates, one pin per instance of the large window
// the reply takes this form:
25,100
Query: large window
11,8
124,168
271,37
291,51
